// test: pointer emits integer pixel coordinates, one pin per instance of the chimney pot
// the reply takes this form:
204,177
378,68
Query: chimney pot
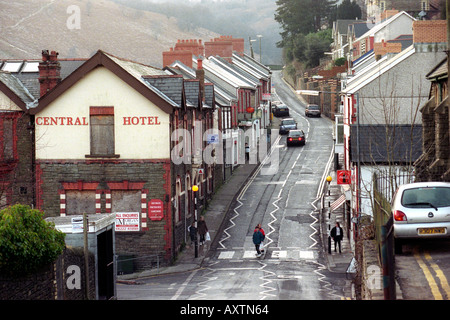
49,71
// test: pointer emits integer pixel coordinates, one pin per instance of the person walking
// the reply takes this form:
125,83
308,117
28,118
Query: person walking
261,246
257,239
247,152
193,232
202,229
337,233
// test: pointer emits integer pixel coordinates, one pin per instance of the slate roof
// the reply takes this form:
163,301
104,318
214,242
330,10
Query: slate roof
209,96
257,69
30,78
192,91
17,87
342,25
440,70
171,86
235,70
360,28
403,146
221,95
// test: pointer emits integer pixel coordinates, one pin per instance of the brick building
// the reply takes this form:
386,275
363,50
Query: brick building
16,142
434,164
104,144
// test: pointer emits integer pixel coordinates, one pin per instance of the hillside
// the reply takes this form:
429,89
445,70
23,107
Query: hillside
27,27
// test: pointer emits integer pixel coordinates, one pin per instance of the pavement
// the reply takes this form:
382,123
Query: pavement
337,262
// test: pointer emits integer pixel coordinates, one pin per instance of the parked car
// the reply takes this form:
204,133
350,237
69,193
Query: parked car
421,210
295,137
287,124
312,110
281,111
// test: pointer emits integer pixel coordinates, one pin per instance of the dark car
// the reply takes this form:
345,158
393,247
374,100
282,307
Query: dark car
312,110
296,137
281,111
287,124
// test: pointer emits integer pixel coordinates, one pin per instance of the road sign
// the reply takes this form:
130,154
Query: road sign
155,210
343,176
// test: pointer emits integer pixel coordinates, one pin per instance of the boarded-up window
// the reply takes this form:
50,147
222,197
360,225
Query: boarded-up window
126,201
7,139
102,131
79,202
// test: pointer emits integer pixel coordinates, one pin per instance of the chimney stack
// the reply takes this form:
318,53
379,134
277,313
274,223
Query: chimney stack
49,71
200,75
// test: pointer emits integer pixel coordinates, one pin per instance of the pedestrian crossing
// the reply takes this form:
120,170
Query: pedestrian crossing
275,253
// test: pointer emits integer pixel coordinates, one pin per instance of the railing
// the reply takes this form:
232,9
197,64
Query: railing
384,234
127,264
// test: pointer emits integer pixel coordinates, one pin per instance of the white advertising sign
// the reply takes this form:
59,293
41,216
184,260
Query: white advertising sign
127,221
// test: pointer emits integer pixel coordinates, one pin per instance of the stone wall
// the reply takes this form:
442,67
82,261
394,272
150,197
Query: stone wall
50,282
153,179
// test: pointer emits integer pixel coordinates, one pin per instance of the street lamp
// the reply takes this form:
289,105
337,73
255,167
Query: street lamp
195,189
260,53
329,178
251,47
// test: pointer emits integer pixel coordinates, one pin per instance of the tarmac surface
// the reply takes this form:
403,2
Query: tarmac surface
216,212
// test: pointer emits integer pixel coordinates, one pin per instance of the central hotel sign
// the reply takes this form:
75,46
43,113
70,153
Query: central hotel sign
82,121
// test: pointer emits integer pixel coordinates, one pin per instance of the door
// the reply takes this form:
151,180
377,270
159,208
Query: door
105,265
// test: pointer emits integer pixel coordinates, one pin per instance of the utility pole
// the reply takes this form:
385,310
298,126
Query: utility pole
86,253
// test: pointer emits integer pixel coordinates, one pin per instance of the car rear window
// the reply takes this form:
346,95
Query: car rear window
287,122
426,197
295,133
313,107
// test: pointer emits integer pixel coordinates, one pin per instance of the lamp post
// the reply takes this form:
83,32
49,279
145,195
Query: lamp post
251,47
195,189
260,53
329,178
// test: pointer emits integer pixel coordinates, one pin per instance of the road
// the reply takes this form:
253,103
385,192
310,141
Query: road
423,270
284,202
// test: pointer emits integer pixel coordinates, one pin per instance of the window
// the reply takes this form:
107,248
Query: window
7,141
102,132
79,202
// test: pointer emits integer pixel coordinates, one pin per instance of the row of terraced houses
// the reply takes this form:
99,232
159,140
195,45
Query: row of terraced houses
95,136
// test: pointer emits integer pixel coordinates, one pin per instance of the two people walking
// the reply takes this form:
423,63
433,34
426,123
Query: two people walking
201,229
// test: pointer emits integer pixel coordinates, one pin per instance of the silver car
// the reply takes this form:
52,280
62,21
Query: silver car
421,210
287,124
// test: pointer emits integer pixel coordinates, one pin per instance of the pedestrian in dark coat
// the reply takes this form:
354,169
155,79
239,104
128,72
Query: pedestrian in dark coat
257,239
193,232
202,229
337,233
264,236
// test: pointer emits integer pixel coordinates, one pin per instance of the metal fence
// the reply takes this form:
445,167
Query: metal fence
384,231
127,264
387,181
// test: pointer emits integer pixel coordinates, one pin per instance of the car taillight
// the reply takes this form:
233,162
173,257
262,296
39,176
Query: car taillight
399,216
290,139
